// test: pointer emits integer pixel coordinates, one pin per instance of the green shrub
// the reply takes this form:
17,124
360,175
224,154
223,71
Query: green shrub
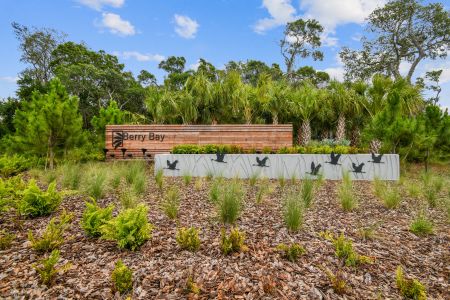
409,288
307,191
130,229
6,239
320,149
96,183
94,217
206,149
159,178
46,268
192,287
391,198
72,175
215,191
187,239
291,252
171,203
122,277
15,164
421,225
230,202
293,212
187,178
233,242
36,203
10,192
344,250
345,193
53,236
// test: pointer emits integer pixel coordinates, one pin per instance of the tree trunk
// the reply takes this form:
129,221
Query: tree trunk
275,119
375,146
340,130
304,136
356,133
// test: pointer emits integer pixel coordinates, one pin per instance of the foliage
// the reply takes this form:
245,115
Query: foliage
421,225
253,178
10,192
11,165
261,192
307,192
47,270
320,149
293,211
94,217
187,178
122,277
110,115
53,236
291,252
130,229
36,203
206,149
95,185
187,238
171,203
391,197
234,242
159,178
344,250
229,205
72,175
192,287
136,176
128,198
215,190
6,239
345,193
409,288
432,185
338,282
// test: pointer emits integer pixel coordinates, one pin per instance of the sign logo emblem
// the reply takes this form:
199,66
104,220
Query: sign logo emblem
117,139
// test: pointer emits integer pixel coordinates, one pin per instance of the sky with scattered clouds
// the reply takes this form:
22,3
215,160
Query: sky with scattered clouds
142,33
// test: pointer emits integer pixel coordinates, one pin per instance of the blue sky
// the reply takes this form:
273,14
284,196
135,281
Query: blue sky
142,32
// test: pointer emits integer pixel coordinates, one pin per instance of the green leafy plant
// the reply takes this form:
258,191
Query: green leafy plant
293,212
171,203
36,203
47,270
159,178
307,191
391,198
130,229
229,205
192,287
409,288
421,225
291,252
6,239
94,217
187,239
53,236
10,192
11,165
122,277
234,242
337,280
344,250
282,181
345,193
128,198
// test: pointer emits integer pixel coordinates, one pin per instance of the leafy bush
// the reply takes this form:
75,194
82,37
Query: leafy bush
192,287
10,192
230,202
130,229
391,198
171,203
53,236
6,239
320,149
122,277
94,217
344,250
232,243
291,252
159,178
188,239
307,191
36,203
11,165
345,193
409,288
293,212
421,225
206,149
46,268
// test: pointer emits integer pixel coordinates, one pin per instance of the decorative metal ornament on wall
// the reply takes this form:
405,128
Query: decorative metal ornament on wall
219,158
172,165
334,159
376,159
261,162
314,169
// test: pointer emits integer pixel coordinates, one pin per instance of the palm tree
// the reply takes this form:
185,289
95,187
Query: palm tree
273,96
186,107
201,89
304,102
160,105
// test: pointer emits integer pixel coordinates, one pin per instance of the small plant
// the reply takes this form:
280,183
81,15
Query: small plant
253,178
94,217
293,212
198,184
379,187
209,175
128,198
130,229
307,191
122,277
46,268
421,225
140,185
215,191
71,176
282,181
261,192
187,178
293,178
409,288
431,188
291,252
36,203
337,280
344,250
134,171
187,239
96,183
159,178
171,203
6,239
232,243
192,287
391,198
345,193
413,190
115,178
53,236
230,202
367,232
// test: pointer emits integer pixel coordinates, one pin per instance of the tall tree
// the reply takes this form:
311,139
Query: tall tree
301,39
304,107
110,115
174,66
146,78
402,31
8,109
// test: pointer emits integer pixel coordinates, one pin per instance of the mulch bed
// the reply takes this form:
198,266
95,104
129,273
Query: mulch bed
161,269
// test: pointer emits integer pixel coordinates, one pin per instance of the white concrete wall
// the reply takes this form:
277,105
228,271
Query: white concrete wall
279,165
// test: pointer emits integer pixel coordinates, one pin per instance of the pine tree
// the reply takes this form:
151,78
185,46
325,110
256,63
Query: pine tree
50,123
110,115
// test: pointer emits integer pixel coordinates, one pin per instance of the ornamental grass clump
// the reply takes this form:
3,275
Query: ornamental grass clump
72,175
215,190
47,270
6,239
432,186
234,242
345,193
122,278
187,178
171,203
159,179
53,236
95,185
307,192
391,197
229,205
187,239
291,252
36,203
130,229
421,225
263,189
128,198
293,212
409,288
94,217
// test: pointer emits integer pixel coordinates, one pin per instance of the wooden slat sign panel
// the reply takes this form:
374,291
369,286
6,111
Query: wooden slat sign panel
138,141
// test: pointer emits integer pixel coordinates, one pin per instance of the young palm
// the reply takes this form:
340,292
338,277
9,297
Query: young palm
304,104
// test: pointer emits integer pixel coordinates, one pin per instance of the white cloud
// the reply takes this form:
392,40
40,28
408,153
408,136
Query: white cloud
281,12
98,4
9,79
117,25
335,73
195,66
140,56
185,26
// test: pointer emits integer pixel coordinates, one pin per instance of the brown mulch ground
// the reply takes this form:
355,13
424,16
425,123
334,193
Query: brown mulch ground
161,269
